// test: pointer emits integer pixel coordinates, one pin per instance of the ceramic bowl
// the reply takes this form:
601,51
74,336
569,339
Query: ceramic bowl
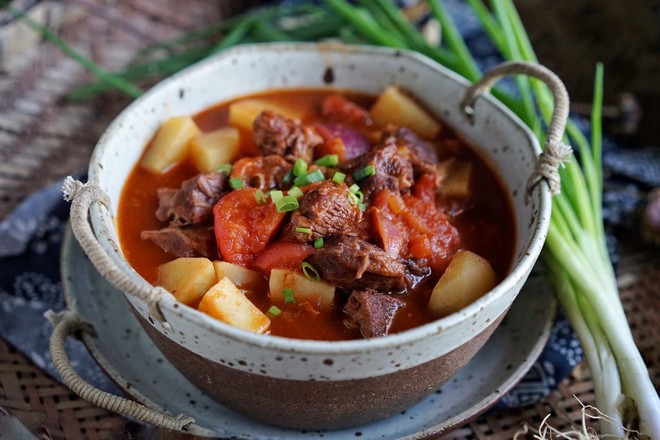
312,384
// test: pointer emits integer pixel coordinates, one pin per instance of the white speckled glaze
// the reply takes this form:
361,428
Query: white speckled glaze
495,132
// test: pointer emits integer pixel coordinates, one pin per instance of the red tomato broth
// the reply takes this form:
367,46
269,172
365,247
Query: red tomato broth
484,221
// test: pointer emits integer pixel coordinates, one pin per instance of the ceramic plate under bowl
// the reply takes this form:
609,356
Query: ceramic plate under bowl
130,358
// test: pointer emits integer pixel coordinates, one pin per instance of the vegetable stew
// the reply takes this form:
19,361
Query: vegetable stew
317,214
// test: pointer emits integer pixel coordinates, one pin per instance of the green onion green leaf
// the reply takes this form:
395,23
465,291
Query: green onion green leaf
314,176
365,172
328,160
286,204
310,272
236,183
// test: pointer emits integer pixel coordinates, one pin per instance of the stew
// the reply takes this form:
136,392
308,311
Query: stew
317,213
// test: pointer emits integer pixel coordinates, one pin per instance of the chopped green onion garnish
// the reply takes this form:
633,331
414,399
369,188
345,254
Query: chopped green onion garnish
328,160
295,192
288,177
300,167
304,230
260,197
274,310
311,273
354,188
224,168
318,243
362,206
338,177
288,296
362,173
314,176
352,198
275,195
236,183
286,204
359,195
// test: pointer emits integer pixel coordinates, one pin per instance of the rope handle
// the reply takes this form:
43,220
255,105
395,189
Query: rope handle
68,323
555,152
82,197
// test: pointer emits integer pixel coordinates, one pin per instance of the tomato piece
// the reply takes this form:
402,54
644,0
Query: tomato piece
243,228
338,108
282,255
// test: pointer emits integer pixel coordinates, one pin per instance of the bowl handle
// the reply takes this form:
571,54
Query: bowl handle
82,197
68,323
555,152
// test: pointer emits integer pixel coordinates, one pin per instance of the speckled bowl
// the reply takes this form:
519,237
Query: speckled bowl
311,384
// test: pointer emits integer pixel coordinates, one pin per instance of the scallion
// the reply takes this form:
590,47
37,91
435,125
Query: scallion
365,172
299,167
318,243
286,204
310,272
354,188
260,197
224,168
306,179
328,160
274,310
304,230
276,195
288,296
296,192
236,183
288,177
339,177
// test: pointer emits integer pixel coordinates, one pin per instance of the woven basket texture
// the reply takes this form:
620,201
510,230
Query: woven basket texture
44,137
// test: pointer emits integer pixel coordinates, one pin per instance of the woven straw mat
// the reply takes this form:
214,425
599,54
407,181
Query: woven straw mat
44,138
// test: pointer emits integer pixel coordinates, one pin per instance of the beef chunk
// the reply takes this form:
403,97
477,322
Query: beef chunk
193,202
393,171
351,263
326,210
277,134
419,151
263,172
184,241
371,312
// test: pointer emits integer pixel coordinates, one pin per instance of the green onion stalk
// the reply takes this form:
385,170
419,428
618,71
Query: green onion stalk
575,253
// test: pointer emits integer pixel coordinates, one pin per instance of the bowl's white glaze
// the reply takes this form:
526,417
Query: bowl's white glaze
496,134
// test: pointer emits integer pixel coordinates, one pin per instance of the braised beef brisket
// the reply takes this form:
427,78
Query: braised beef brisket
393,171
277,134
354,264
371,312
325,210
263,172
193,202
185,241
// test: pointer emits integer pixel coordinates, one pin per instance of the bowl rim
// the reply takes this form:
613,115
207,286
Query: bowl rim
170,306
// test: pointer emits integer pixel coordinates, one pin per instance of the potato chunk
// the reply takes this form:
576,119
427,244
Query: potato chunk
457,179
208,150
304,289
242,277
395,107
243,113
226,303
170,145
187,278
466,279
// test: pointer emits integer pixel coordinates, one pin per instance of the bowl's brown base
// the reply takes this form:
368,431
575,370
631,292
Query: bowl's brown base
316,404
